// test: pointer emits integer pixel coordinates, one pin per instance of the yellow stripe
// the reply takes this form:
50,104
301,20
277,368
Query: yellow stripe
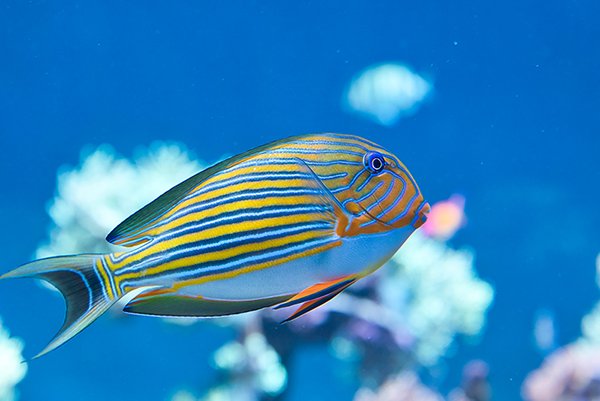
105,279
224,229
239,205
209,196
225,254
291,168
260,266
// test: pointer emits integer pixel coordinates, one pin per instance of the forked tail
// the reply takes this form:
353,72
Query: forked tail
80,280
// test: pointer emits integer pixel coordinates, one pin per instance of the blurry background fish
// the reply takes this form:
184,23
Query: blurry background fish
493,105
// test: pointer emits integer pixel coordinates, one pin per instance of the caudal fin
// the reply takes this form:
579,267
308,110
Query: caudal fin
79,280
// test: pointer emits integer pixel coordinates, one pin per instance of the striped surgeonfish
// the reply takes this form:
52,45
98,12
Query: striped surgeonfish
293,222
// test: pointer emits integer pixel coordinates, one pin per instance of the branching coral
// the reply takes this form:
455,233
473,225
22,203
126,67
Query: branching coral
475,385
252,370
438,292
254,362
403,387
570,374
12,369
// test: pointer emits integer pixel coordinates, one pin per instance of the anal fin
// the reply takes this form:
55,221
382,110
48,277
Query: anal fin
164,303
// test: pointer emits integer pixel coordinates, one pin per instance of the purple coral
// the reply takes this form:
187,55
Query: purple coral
403,387
570,374
475,385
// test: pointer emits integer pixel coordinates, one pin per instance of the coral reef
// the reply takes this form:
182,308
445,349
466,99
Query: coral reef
437,290
12,368
251,370
93,198
570,374
252,365
404,387
475,385
386,92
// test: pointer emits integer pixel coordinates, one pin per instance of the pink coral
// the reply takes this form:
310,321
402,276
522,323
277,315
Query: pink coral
445,218
569,374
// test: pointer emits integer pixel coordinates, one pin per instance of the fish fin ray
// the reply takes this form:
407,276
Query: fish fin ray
319,290
170,304
131,231
311,305
78,281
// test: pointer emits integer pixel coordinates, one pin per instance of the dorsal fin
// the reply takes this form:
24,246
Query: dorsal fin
130,232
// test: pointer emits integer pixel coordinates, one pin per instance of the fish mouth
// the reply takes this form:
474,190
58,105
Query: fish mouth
421,215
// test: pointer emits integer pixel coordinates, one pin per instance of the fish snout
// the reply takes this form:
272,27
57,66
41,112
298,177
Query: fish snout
422,213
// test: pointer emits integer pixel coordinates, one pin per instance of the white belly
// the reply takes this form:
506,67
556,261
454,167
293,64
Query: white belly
360,254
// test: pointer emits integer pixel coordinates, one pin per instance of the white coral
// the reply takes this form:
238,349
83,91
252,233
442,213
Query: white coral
105,189
254,364
386,92
437,290
12,368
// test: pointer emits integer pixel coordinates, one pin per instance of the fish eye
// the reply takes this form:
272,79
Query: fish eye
374,162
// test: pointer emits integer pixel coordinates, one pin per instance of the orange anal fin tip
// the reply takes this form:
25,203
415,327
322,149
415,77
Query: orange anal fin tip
319,290
310,305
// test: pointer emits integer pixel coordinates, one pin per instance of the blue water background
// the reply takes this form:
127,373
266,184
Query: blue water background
513,125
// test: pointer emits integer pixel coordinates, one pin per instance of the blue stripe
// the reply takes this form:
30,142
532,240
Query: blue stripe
250,177
421,206
100,280
398,198
357,139
385,195
333,176
365,183
233,217
85,282
315,151
110,275
224,242
248,194
347,187
330,143
408,206
240,261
